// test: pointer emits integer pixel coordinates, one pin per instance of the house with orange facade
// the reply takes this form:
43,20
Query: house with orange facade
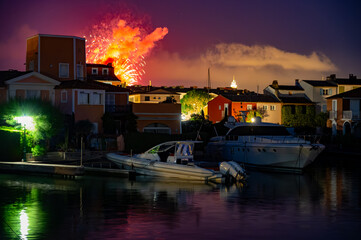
59,57
233,105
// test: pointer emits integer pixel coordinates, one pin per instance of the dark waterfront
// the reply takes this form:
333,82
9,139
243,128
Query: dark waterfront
323,203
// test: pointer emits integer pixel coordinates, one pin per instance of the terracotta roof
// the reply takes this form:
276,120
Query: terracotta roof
320,83
355,93
156,91
77,84
109,65
103,78
250,98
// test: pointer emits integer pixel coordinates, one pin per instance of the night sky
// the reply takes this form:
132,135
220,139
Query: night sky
255,41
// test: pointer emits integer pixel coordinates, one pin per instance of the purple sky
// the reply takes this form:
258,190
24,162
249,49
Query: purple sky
256,41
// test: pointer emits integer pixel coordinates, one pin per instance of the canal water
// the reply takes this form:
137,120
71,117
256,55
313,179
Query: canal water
323,203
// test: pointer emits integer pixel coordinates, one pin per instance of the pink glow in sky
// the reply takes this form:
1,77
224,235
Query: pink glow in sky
256,41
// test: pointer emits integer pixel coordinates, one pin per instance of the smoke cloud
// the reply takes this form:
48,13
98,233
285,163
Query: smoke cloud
253,66
240,55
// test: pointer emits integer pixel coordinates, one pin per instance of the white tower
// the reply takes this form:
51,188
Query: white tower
234,84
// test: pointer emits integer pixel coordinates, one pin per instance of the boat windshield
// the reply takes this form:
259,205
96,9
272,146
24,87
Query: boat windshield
259,131
162,148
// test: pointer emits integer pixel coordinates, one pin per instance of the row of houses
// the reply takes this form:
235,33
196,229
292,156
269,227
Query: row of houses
339,97
57,71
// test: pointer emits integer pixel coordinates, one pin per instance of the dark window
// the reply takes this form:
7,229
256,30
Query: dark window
303,109
146,98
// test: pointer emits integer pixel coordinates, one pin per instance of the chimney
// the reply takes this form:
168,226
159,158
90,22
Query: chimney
351,76
331,77
297,82
275,84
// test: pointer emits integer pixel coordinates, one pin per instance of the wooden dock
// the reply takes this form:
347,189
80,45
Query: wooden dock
42,168
61,169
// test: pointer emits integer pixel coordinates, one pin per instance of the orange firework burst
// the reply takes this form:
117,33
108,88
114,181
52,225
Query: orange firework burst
123,46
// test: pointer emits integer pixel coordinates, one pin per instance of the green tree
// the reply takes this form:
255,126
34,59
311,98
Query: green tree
194,102
47,118
298,116
321,119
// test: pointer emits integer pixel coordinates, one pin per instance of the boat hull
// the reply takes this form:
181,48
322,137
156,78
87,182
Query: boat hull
164,169
291,156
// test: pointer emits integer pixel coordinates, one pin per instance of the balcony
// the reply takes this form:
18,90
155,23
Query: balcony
123,109
333,115
347,115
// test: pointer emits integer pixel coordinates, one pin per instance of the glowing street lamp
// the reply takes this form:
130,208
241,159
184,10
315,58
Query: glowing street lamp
26,122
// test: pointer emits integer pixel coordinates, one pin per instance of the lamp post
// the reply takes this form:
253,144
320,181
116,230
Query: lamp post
26,122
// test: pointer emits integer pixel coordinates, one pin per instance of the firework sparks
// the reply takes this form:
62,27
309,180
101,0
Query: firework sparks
124,46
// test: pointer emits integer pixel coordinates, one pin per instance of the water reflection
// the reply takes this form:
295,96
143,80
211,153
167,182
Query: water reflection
323,202
24,224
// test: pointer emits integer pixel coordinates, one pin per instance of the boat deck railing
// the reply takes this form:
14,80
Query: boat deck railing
301,139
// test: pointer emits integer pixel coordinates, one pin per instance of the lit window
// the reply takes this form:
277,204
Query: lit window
105,71
64,96
272,107
94,71
249,107
265,107
63,70
342,89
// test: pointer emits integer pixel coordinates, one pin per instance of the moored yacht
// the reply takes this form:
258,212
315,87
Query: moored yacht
263,145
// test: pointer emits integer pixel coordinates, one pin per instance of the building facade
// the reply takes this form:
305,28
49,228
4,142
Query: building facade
158,117
344,111
59,57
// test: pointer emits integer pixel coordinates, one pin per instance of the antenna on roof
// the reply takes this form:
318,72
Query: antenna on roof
209,80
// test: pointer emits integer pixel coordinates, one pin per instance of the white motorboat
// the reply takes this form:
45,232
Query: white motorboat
172,159
263,145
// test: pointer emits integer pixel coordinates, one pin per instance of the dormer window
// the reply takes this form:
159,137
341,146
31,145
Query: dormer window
105,71
94,71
